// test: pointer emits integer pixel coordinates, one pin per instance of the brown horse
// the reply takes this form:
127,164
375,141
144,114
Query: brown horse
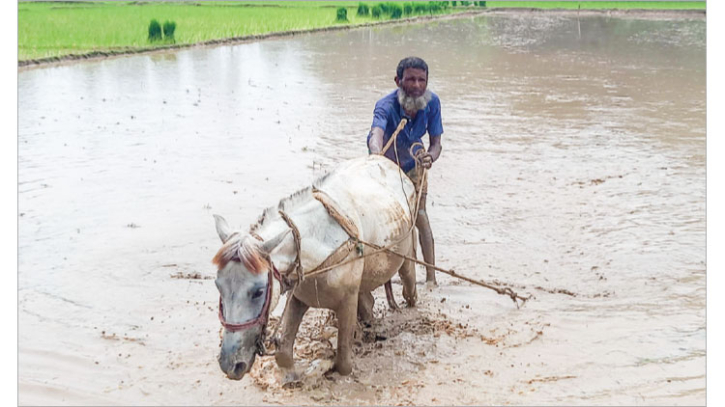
377,199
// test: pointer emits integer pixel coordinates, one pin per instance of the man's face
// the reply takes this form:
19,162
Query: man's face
414,82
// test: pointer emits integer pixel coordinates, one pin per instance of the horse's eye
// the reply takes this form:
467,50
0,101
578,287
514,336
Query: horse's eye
257,294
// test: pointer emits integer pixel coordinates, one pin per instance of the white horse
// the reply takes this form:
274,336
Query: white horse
377,199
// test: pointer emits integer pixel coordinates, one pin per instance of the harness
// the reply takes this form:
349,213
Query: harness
337,258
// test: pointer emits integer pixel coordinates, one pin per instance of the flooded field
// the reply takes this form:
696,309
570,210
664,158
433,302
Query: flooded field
573,170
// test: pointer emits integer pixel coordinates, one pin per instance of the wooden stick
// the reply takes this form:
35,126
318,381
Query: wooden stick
395,135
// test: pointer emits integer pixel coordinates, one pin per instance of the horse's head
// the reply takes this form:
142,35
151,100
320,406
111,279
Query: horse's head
244,280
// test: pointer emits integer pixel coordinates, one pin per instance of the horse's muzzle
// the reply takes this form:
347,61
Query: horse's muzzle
233,369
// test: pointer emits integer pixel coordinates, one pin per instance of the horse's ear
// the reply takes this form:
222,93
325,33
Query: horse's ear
270,244
222,228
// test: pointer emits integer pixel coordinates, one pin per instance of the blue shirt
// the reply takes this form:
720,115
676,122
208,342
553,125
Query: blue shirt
387,115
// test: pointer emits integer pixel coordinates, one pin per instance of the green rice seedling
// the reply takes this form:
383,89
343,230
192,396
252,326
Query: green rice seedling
341,14
384,7
434,7
377,11
454,3
155,31
408,9
396,11
465,3
419,8
169,28
363,10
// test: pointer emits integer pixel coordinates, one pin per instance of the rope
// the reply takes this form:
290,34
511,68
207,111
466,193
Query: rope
298,244
273,336
346,223
332,210
503,291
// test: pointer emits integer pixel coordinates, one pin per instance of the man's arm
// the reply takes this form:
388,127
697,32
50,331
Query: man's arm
375,144
435,130
435,147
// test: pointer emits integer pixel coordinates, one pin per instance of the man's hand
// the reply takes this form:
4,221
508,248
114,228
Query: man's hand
424,159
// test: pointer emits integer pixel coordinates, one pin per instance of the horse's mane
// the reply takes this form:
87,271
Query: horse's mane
245,250
287,204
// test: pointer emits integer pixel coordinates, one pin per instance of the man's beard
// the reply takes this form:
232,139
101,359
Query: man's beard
413,104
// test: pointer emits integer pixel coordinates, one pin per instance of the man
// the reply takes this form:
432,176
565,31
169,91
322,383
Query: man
413,101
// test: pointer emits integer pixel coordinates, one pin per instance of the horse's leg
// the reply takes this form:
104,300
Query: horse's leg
290,324
390,297
346,322
407,276
365,302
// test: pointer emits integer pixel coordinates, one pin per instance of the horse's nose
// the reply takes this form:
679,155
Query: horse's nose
234,371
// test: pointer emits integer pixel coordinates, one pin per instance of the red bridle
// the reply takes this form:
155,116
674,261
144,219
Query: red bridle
261,319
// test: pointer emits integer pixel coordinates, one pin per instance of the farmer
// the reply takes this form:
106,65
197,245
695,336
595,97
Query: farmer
422,108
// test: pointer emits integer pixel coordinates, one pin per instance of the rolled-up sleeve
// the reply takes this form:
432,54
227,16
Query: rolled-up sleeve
380,116
435,123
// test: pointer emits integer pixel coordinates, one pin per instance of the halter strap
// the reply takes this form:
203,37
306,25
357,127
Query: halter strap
263,316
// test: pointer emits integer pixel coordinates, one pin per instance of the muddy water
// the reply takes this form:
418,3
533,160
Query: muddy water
573,170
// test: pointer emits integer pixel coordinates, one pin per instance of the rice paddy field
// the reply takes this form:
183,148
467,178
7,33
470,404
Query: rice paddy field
55,29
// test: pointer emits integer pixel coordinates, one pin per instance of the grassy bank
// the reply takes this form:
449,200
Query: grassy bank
54,29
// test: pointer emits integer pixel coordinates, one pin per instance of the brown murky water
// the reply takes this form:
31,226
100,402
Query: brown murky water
572,164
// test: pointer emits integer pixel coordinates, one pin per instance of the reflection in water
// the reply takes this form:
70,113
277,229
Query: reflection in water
569,162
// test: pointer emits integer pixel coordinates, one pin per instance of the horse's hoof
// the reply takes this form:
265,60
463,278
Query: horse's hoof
291,379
